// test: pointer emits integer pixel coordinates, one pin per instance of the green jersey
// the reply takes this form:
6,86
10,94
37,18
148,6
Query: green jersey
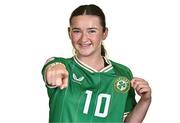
91,96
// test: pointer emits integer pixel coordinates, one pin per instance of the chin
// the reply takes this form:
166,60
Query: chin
84,54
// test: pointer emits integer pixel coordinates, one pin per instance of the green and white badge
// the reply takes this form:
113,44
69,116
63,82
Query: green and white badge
122,84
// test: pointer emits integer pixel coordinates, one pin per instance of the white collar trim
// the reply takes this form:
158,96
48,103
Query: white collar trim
92,70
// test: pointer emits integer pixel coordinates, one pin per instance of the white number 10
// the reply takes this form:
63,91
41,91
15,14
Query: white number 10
98,105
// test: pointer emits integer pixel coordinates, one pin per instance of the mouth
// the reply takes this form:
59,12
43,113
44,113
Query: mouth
85,45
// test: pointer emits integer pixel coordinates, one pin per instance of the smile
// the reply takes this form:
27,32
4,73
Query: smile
85,45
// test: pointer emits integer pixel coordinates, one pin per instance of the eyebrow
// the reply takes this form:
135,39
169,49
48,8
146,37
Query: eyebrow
93,28
75,28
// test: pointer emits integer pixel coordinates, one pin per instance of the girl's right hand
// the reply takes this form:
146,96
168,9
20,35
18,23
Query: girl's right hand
57,75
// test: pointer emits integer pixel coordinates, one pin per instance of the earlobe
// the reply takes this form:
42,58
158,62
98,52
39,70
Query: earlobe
105,34
69,32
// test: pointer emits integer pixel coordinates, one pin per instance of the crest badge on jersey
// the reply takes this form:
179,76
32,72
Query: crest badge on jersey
122,84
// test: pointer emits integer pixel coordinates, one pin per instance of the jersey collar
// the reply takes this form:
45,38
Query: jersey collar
92,70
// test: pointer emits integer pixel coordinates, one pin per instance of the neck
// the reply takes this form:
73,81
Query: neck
96,62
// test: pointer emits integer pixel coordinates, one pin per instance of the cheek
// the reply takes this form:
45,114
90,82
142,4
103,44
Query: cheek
97,39
75,38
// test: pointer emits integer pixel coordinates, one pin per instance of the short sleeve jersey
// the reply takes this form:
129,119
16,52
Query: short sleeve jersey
91,96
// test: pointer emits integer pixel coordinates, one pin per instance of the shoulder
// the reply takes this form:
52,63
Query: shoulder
122,69
51,60
58,59
120,66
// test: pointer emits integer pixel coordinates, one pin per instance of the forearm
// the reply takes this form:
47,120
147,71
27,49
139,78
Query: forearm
138,113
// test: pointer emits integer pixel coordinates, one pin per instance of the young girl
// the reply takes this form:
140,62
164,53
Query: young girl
89,87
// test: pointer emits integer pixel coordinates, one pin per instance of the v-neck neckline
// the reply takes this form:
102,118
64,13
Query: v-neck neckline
92,70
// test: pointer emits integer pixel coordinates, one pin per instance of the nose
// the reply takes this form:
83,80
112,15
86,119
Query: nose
84,37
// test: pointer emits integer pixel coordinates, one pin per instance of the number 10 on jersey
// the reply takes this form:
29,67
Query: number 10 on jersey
101,96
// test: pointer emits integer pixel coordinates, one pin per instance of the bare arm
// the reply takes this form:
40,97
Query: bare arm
139,112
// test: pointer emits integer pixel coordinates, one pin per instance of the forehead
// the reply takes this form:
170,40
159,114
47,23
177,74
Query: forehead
85,21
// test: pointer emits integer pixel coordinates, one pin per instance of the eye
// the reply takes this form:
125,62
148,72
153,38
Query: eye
92,31
76,31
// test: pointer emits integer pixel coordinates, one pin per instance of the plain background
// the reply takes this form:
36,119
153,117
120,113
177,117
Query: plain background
143,35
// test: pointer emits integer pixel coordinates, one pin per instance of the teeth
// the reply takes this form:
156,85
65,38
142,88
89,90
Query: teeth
85,44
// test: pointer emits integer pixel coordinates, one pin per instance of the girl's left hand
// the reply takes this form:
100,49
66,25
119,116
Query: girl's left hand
142,88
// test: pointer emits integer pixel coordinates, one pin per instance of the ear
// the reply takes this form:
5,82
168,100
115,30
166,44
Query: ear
69,32
105,34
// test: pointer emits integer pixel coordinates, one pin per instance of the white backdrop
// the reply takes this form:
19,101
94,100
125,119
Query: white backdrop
143,35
